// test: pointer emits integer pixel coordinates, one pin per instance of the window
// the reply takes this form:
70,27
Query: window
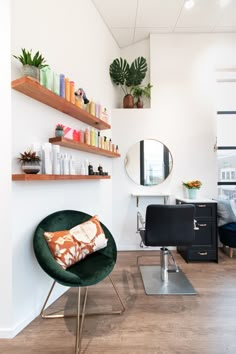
226,155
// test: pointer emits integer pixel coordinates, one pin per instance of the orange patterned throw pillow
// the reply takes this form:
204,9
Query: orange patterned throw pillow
70,246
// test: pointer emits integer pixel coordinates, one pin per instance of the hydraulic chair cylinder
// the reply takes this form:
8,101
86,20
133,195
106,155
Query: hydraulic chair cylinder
164,264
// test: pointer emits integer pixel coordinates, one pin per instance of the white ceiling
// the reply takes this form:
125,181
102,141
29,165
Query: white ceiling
130,21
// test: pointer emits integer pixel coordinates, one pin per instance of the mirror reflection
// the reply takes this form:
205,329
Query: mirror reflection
148,162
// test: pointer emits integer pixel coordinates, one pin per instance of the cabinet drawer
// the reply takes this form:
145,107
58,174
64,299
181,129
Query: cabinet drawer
206,210
205,236
203,209
201,254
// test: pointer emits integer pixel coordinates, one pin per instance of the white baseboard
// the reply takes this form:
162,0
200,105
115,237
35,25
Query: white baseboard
12,332
9,333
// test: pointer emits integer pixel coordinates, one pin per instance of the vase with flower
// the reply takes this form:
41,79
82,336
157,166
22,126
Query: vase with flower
192,188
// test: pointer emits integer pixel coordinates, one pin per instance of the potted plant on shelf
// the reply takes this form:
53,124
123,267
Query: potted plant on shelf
59,131
31,63
30,162
139,92
126,76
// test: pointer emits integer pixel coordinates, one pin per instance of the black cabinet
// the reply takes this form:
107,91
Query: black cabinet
205,246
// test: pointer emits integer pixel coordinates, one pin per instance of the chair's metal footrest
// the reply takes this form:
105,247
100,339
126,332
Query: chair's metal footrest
173,269
177,283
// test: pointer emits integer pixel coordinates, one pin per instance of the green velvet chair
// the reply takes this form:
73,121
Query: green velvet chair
89,271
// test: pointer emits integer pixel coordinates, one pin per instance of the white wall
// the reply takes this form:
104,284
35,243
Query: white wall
182,115
75,41
5,175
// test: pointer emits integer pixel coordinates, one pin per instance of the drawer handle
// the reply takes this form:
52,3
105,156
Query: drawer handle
202,225
202,205
202,253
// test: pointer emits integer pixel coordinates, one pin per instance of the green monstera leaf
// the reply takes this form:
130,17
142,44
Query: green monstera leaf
137,72
119,71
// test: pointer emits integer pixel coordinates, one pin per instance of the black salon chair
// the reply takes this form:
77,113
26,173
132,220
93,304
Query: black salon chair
167,225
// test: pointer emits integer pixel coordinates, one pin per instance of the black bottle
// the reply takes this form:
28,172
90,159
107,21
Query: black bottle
90,169
100,170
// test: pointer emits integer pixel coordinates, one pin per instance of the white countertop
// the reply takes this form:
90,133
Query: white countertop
199,200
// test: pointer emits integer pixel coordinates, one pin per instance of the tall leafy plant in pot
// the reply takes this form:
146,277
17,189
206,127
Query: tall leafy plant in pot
126,76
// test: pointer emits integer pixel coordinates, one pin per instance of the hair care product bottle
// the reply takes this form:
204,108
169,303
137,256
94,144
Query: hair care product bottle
104,115
117,149
56,84
82,170
105,142
60,161
86,164
36,147
42,78
113,147
87,136
72,92
56,168
95,138
65,165
92,107
96,109
47,158
71,166
67,89
48,78
62,85
110,145
100,170
99,141
90,170
91,136
82,135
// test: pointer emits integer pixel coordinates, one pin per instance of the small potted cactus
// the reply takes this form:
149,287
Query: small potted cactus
59,131
30,162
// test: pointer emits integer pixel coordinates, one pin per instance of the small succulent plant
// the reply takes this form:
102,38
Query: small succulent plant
59,127
29,155
27,57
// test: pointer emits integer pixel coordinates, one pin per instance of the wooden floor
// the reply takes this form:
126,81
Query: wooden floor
200,324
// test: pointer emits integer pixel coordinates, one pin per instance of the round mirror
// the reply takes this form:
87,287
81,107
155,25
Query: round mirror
148,162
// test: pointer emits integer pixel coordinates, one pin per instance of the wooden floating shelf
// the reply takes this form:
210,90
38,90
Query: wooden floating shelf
69,143
38,177
32,88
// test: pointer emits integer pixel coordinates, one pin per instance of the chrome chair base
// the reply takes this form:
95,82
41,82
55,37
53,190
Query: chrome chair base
177,283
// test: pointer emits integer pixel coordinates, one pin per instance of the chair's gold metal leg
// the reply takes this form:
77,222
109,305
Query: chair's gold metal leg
118,295
53,314
80,323
63,315
77,339
83,311
45,303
